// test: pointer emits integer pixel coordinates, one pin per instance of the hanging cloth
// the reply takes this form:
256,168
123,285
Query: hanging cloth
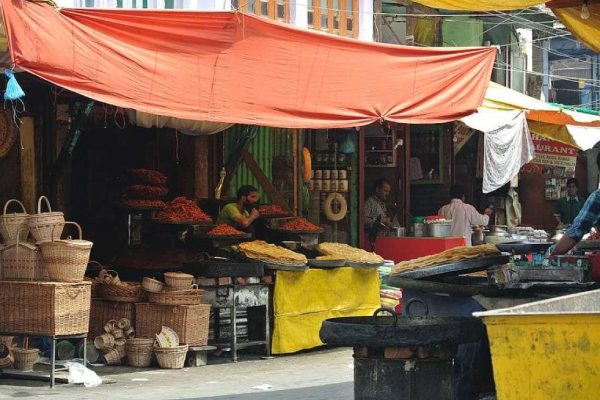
506,150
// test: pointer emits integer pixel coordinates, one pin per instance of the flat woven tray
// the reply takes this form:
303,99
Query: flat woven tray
458,268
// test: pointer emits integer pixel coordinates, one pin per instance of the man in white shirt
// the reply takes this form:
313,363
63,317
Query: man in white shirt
463,215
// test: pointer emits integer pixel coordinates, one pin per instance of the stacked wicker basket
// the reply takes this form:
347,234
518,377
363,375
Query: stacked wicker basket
35,266
48,257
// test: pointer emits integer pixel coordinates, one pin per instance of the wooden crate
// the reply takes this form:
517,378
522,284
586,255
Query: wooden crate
190,322
104,310
44,308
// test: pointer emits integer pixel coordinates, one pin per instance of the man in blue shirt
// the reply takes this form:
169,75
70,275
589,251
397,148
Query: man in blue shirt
588,217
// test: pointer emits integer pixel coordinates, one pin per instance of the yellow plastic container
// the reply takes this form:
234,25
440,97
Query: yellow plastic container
548,349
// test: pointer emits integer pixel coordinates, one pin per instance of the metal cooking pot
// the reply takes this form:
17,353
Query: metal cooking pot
438,229
478,236
397,231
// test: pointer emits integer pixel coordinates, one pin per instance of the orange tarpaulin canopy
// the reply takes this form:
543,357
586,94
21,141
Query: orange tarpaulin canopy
229,67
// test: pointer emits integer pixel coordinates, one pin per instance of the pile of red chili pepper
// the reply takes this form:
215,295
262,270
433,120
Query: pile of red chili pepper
144,203
147,176
300,225
225,230
146,192
271,209
182,209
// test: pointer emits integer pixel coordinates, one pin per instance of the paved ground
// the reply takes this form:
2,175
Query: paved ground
324,375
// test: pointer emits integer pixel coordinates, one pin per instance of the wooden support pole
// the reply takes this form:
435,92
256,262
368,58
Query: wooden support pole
264,181
28,164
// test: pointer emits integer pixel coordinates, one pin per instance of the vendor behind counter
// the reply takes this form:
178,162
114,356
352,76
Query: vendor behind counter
243,212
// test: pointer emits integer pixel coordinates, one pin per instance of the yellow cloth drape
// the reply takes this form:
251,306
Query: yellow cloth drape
586,30
303,300
480,5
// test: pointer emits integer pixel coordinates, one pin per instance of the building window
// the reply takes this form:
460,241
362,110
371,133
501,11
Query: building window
273,9
334,16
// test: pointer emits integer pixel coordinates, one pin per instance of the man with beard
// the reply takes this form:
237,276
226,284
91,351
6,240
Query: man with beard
242,213
376,212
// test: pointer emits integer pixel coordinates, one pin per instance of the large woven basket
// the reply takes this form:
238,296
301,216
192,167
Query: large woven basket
67,260
178,280
140,358
24,358
126,292
13,224
103,310
178,298
45,226
44,308
22,261
171,358
190,323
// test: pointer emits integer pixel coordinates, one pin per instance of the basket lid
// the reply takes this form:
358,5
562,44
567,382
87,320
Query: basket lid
70,242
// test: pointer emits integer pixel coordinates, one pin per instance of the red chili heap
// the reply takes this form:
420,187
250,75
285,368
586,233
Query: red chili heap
144,203
147,192
147,176
271,209
182,209
300,225
225,230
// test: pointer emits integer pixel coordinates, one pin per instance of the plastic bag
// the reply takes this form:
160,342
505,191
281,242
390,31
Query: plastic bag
78,373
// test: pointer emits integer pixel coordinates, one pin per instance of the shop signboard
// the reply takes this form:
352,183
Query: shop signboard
552,158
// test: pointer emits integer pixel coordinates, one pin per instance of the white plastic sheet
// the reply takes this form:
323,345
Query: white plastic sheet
506,149
78,373
186,126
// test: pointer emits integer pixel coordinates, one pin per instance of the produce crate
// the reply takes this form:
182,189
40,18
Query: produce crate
189,322
45,308
104,310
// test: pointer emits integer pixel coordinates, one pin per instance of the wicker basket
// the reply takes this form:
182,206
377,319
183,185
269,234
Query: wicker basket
45,308
104,342
46,226
113,357
23,261
67,260
139,343
179,280
126,292
171,358
152,285
178,298
24,358
140,358
15,224
189,322
103,311
120,347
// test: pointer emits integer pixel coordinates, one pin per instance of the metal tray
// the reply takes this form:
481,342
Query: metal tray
363,264
326,263
551,274
463,267
524,247
200,222
315,232
285,267
588,244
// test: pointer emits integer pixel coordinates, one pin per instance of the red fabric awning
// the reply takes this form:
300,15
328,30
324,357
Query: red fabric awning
229,67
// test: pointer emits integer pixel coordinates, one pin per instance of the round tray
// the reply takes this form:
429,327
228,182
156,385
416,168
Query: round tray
315,232
363,264
313,262
127,207
225,237
201,222
284,267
